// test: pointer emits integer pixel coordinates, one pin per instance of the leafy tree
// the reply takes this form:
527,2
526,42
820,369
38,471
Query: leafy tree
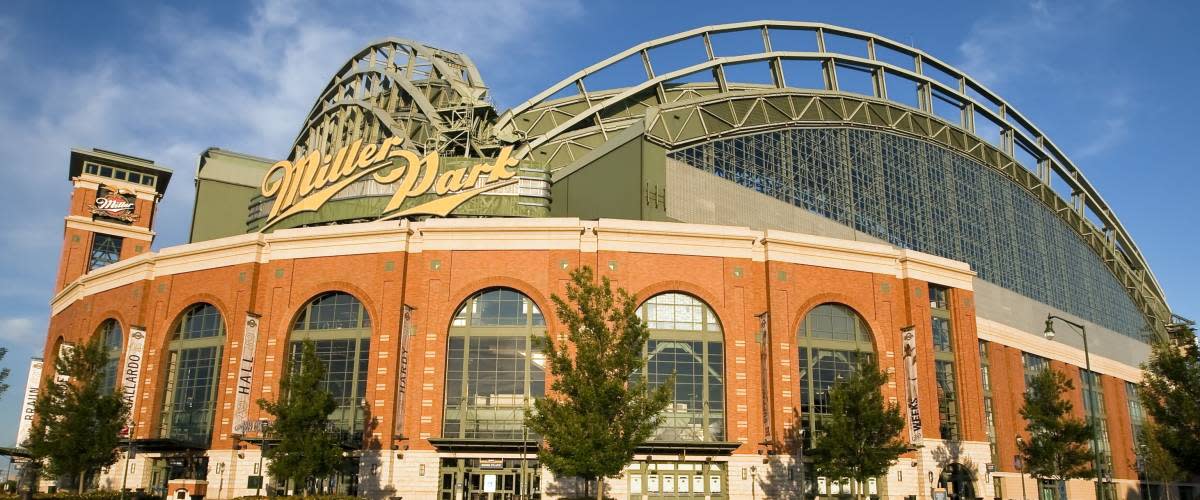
79,418
4,374
1059,444
306,447
1157,463
861,436
1170,391
600,409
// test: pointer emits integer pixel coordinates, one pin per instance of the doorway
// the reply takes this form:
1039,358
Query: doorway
489,479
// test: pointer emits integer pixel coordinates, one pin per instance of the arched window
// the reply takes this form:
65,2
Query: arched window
494,366
832,338
686,340
340,328
193,359
111,331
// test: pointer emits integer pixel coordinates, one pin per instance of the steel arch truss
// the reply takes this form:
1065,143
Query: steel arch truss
705,99
434,99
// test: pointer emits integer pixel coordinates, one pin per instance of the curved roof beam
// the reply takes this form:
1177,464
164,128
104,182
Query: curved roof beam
1048,155
400,57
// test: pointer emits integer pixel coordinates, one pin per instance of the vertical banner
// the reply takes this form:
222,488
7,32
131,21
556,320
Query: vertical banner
241,402
909,334
32,386
64,350
406,333
764,369
131,371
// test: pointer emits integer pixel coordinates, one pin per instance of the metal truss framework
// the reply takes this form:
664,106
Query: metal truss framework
677,110
432,98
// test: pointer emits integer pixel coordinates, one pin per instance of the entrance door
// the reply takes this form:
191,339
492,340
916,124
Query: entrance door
489,479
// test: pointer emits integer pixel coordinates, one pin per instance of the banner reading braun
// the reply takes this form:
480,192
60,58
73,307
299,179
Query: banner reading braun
31,394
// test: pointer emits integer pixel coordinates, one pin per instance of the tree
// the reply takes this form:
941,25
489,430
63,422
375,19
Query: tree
861,435
1157,463
306,447
1169,392
79,418
1059,444
600,408
4,374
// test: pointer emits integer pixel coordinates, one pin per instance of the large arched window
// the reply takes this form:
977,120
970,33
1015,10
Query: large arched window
832,339
193,362
110,329
686,340
340,328
495,367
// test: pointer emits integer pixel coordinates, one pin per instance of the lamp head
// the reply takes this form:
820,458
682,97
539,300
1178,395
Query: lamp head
1049,333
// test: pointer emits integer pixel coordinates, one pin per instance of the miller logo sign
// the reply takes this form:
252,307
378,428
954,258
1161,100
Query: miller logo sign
114,205
309,182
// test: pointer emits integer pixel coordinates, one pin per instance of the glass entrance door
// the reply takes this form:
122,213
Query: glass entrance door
489,479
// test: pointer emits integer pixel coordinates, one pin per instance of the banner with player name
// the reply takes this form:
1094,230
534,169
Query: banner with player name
241,403
909,336
32,386
406,333
131,370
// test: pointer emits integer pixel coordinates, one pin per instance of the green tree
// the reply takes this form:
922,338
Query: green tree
1170,391
4,374
1059,445
306,447
860,438
1157,463
79,418
600,408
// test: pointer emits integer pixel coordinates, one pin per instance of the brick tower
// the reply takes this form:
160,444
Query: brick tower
111,217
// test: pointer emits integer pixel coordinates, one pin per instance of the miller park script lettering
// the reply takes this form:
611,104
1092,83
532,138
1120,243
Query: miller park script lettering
309,182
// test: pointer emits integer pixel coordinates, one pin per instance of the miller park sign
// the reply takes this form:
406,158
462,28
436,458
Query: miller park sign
313,180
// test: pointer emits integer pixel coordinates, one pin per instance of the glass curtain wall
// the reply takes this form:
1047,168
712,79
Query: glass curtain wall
943,359
831,340
340,329
495,367
194,355
111,330
686,340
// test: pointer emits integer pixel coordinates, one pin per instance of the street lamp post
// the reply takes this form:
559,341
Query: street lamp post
262,451
1021,466
1087,361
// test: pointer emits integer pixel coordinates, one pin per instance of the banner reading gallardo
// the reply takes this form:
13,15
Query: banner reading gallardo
131,371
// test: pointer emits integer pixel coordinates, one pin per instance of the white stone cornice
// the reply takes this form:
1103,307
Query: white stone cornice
100,226
1035,343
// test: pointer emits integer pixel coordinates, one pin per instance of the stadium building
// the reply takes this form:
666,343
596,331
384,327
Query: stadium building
784,198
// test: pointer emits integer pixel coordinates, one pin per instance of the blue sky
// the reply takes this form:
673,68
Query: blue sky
1104,79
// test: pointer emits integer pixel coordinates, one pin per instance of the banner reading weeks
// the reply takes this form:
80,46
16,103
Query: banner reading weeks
909,334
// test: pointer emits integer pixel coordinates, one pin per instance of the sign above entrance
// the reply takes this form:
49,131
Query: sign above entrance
306,184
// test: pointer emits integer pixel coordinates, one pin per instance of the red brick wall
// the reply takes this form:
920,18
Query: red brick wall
434,283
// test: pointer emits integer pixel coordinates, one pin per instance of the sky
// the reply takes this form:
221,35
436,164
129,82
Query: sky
1104,79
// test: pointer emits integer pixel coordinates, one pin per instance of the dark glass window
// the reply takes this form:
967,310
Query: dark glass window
193,359
686,340
832,340
331,311
495,368
947,399
1096,411
340,329
111,330
106,249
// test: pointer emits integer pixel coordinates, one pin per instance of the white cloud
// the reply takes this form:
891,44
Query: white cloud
245,86
21,331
